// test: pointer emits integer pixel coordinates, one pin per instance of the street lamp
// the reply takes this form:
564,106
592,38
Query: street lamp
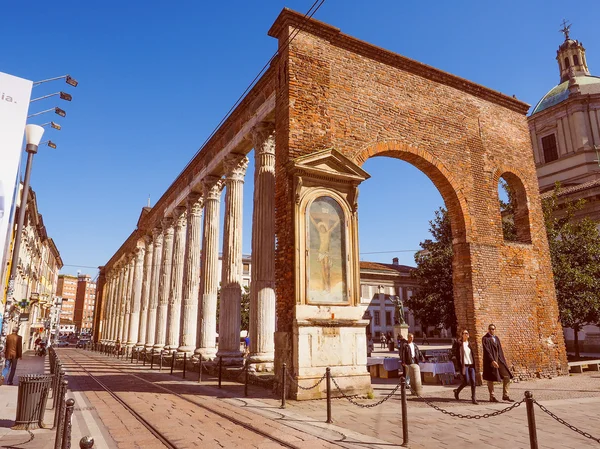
52,124
56,110
50,144
70,81
33,135
63,96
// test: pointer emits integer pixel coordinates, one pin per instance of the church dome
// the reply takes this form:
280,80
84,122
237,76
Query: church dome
558,94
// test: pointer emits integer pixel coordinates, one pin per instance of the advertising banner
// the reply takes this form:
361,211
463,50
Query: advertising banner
15,94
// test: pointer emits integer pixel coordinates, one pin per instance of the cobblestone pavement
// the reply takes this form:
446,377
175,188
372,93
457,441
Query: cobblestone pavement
574,398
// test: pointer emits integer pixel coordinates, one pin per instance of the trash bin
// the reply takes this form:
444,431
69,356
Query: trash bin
391,345
31,401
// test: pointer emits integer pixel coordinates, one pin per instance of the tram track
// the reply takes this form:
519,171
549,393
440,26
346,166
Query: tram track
156,432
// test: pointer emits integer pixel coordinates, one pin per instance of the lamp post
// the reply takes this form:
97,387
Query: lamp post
33,135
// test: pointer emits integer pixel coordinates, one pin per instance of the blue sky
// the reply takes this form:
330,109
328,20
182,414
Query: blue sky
156,78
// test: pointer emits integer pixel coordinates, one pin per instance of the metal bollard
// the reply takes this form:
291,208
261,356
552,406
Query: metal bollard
283,374
144,363
160,360
58,417
131,355
404,412
220,370
184,362
66,439
86,443
199,368
328,379
172,362
152,359
533,443
246,375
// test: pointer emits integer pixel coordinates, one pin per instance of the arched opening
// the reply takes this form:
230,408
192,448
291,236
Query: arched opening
514,209
567,63
410,200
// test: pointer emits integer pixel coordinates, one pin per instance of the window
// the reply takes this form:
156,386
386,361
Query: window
365,291
388,318
567,64
377,318
549,148
575,60
246,268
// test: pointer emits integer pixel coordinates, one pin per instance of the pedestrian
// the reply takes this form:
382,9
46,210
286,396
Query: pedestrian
425,339
118,347
401,343
464,356
410,355
13,353
382,340
247,344
495,368
370,345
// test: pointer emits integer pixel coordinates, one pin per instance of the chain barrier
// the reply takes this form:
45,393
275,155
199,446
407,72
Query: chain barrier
306,388
358,404
564,423
460,415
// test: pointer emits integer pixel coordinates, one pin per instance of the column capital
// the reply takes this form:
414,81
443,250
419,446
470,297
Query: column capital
235,167
157,231
263,137
179,216
147,240
195,203
167,223
212,186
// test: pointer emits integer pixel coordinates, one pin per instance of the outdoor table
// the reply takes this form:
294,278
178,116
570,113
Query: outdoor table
432,372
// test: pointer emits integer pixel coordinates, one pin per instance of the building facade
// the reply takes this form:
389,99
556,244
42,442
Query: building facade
565,136
67,290
36,278
85,299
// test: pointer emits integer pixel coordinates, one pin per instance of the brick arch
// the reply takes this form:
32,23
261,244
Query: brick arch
522,194
438,174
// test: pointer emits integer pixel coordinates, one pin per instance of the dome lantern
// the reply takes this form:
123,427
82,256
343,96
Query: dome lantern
571,56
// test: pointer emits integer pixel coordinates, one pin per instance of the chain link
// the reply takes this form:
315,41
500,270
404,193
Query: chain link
459,415
564,423
358,404
306,388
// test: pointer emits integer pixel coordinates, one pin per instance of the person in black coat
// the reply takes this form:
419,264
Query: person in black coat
410,355
495,368
465,359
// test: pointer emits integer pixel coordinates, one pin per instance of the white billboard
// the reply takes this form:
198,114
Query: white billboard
15,94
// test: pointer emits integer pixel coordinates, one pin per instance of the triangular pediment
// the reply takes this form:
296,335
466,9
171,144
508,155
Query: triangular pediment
145,211
329,162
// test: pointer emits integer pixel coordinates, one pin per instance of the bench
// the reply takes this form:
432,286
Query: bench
584,365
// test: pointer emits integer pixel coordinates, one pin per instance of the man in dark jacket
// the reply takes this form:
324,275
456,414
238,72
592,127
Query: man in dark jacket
14,351
495,368
410,354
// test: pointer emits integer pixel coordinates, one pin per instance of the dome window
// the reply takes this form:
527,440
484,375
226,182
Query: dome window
567,63
575,60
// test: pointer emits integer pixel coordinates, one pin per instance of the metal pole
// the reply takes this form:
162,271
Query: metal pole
184,362
131,355
66,439
328,373
283,373
62,391
404,412
220,370
152,359
199,368
144,363
246,378
533,443
172,362
31,150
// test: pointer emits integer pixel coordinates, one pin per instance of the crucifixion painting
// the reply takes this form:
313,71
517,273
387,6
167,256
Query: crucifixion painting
326,252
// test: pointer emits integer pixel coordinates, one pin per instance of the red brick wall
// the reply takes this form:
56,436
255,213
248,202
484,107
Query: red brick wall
336,91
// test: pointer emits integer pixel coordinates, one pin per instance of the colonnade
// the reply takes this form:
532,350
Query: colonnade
163,294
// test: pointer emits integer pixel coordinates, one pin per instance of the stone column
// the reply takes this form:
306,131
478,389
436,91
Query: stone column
262,284
175,290
114,301
209,269
127,299
164,283
146,278
107,309
120,315
191,275
231,264
136,295
157,244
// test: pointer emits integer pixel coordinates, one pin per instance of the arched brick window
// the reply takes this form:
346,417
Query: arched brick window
514,209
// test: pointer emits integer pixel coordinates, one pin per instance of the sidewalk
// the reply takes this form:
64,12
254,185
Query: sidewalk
83,423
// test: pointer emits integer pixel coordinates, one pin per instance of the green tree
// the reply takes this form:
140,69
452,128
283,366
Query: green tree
507,211
575,253
432,304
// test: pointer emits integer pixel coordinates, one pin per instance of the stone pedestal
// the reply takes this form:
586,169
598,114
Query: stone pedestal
400,329
329,336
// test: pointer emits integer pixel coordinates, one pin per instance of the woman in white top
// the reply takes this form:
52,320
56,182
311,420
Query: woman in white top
465,358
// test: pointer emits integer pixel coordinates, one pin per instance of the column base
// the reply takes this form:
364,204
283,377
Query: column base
233,358
206,353
149,347
140,346
186,349
170,348
261,362
158,347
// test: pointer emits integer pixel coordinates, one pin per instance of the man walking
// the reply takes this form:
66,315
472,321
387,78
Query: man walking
495,368
14,351
410,355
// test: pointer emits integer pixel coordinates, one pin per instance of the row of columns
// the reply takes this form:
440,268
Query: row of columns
164,295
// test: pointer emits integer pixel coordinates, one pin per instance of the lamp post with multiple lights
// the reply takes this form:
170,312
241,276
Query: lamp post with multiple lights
33,135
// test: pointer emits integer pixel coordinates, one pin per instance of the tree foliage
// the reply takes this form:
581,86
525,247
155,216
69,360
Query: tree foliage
575,253
432,304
